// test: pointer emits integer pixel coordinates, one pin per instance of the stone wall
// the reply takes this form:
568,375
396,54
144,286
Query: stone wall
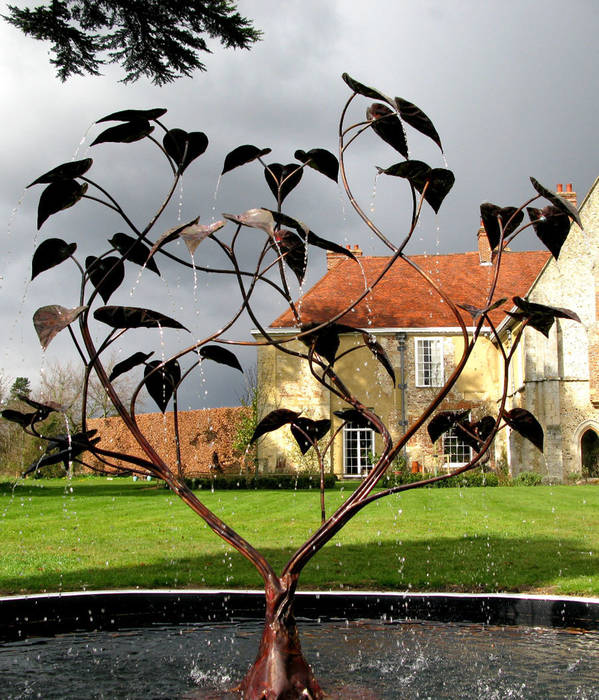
561,377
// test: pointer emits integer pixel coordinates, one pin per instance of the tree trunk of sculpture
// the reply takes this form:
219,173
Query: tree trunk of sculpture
280,671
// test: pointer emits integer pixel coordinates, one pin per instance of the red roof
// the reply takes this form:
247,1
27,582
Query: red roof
404,300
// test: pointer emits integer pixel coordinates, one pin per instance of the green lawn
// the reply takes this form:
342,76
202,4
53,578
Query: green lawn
95,534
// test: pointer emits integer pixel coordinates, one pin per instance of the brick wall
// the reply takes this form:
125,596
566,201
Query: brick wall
202,433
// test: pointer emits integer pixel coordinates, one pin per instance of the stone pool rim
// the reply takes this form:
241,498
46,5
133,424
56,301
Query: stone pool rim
48,614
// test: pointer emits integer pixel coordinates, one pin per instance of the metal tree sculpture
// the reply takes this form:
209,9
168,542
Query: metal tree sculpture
280,670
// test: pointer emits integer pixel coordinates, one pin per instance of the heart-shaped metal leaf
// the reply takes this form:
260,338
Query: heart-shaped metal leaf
273,421
417,119
134,250
281,179
59,195
440,180
242,155
50,253
66,171
138,358
491,214
106,274
130,115
161,381
184,147
50,320
129,132
134,317
307,432
320,159
552,226
444,421
221,355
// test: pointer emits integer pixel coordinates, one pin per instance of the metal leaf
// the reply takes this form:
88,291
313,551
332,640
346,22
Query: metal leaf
161,383
282,178
273,421
352,415
66,171
417,119
220,355
321,160
134,317
106,274
387,126
59,195
365,90
491,214
184,147
294,251
557,201
134,250
129,115
444,421
552,226
129,132
378,351
419,174
138,358
307,431
50,320
255,218
50,253
242,155
523,422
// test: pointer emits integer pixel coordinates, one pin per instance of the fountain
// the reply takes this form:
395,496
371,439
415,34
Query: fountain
256,264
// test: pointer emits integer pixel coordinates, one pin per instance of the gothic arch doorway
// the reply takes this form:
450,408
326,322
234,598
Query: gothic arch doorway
589,453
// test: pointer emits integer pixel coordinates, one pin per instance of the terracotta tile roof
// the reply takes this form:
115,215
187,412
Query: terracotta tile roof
403,300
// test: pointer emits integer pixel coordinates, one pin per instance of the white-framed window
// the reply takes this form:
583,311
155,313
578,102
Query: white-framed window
358,448
429,362
455,451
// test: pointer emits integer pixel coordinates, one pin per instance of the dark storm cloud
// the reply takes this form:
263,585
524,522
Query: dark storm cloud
510,87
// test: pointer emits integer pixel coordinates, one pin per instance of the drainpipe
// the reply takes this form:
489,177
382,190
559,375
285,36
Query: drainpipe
402,386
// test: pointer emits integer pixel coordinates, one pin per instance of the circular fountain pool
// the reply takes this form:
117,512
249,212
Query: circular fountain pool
390,654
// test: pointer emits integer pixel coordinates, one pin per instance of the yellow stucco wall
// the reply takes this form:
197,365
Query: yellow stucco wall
285,382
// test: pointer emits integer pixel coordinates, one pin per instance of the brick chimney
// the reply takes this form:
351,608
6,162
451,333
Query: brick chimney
567,194
484,249
335,258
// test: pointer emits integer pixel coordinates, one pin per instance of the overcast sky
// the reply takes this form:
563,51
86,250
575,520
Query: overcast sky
511,87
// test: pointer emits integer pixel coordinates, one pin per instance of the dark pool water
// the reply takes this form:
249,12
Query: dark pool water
364,660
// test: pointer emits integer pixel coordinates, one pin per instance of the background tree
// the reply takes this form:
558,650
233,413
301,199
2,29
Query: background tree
158,39
22,386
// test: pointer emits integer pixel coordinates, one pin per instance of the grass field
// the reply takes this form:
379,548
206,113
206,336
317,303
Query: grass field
96,534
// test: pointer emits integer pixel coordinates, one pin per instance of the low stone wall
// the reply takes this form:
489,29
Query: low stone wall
202,432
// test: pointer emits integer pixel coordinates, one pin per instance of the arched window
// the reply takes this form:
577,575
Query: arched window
589,453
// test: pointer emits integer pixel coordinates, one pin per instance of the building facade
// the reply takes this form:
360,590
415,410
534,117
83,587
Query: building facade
556,379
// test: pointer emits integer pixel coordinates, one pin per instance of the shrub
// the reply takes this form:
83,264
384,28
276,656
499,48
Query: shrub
528,479
465,480
262,482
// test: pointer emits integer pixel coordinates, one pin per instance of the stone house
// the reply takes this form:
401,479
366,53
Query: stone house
421,338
